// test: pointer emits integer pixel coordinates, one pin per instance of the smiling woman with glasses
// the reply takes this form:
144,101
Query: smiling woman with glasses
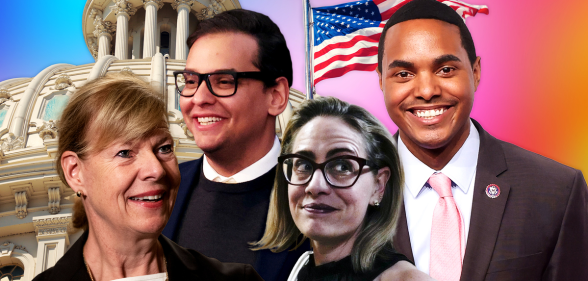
338,183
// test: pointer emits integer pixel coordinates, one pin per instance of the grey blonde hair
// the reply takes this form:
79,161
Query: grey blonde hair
379,225
114,107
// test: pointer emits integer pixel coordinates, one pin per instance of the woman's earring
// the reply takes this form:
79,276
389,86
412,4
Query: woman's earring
79,194
376,203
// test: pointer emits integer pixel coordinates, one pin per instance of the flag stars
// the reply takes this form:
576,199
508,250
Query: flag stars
338,30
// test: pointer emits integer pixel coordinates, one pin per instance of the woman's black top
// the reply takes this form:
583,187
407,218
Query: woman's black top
342,270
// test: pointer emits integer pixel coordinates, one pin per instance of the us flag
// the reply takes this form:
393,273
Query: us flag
346,36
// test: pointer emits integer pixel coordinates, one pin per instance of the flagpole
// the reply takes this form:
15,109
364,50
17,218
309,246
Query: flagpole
308,47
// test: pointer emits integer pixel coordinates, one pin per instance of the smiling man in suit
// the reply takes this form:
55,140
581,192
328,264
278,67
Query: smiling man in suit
236,81
476,208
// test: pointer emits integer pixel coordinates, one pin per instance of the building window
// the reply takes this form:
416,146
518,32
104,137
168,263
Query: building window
164,43
55,107
11,273
3,111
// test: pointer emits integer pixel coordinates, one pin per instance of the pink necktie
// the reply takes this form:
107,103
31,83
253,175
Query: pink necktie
447,236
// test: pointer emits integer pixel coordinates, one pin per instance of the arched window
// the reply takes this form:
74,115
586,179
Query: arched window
164,43
3,111
55,107
11,273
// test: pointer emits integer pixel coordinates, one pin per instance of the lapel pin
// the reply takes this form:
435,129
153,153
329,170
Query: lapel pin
492,191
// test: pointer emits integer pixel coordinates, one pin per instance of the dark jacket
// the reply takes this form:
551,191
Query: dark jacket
536,229
182,264
271,266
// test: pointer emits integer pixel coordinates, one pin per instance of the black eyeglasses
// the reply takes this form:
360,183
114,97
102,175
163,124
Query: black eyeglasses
342,171
220,84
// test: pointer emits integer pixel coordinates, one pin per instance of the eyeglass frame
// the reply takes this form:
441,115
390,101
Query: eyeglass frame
321,166
258,75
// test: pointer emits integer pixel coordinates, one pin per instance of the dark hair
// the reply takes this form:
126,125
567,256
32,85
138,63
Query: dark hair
379,225
273,57
429,9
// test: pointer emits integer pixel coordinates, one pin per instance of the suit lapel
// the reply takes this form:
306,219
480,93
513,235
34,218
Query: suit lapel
402,239
487,212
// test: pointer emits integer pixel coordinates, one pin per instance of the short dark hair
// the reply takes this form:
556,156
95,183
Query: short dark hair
429,9
273,57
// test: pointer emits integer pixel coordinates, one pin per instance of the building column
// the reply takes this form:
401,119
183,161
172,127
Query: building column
123,11
183,7
151,7
103,31
136,44
52,239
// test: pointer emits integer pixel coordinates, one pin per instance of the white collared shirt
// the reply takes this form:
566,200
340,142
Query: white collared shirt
420,201
151,277
252,172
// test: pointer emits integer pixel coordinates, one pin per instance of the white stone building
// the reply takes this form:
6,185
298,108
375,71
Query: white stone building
145,37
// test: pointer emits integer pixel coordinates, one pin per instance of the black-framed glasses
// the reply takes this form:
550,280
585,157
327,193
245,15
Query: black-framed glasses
342,171
220,84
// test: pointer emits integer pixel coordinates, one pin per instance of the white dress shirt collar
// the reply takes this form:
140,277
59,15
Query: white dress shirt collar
460,169
252,172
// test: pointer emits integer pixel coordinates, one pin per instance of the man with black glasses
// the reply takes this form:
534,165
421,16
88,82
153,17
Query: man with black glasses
236,82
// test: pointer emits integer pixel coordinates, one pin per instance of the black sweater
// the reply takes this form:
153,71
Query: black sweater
221,218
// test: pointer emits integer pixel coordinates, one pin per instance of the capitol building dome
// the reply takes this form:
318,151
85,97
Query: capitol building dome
143,37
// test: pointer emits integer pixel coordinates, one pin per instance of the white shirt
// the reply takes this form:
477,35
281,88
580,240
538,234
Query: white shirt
252,172
151,277
420,201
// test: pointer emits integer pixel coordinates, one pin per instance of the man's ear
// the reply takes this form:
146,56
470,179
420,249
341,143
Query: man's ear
381,180
278,96
477,71
380,79
72,169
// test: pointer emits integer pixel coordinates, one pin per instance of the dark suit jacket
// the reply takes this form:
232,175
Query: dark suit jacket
536,229
271,266
182,264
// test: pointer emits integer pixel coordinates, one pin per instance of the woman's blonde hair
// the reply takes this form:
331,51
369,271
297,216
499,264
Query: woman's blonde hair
114,107
379,225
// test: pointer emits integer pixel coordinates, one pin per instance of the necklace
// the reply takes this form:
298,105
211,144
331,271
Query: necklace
92,278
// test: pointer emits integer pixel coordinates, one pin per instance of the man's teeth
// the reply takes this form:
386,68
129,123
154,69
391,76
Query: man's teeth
428,114
208,120
147,198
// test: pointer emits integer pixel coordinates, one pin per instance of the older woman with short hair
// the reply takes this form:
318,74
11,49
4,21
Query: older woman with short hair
116,152
338,183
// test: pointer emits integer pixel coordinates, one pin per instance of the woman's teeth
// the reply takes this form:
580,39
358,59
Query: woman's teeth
208,120
147,198
428,114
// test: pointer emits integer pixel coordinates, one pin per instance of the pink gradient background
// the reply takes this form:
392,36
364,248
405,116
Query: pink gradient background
534,84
